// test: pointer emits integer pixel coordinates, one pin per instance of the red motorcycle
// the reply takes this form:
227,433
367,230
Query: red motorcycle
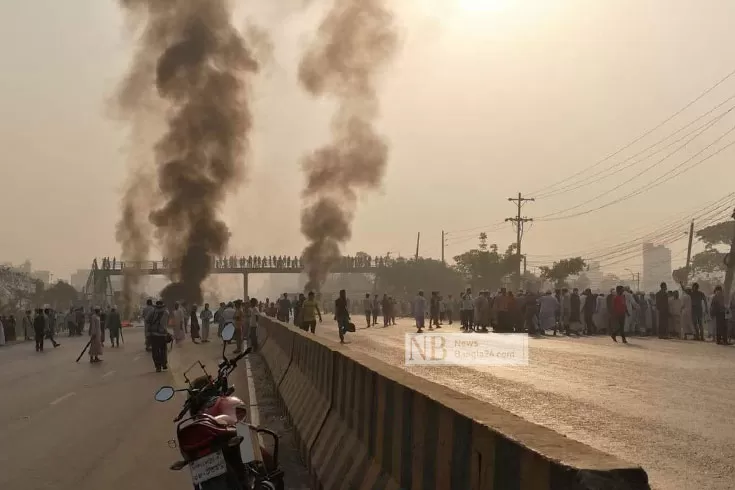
220,448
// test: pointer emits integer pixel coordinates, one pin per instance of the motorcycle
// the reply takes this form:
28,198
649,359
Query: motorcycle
221,449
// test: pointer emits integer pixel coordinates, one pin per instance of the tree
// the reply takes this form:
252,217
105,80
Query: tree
711,260
561,270
403,277
680,275
61,295
483,267
719,234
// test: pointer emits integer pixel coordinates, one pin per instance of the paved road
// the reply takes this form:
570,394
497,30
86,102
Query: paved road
69,426
667,405
65,425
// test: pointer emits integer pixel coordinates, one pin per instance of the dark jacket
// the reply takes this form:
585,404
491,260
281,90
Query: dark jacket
158,322
39,324
662,302
340,309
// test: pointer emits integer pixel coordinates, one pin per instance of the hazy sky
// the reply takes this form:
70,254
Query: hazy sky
486,99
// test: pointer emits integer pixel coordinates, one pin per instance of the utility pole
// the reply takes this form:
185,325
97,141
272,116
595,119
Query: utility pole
444,242
518,221
730,263
418,240
689,254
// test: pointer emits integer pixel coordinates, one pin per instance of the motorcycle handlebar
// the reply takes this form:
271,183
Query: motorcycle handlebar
183,410
225,367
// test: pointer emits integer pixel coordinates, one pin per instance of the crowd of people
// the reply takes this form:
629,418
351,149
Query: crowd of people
164,325
621,312
688,313
249,262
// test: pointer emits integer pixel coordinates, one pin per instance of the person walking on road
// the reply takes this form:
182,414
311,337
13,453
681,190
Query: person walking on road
95,337
185,317
699,309
620,312
103,321
309,313
662,309
194,324
548,306
375,309
367,307
342,315
113,325
39,327
467,311
284,308
386,306
219,319
27,325
50,333
719,314
206,317
156,330
253,314
419,311
177,322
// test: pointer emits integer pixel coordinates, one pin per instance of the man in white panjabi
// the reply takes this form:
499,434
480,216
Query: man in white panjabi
601,313
177,323
631,305
548,306
686,324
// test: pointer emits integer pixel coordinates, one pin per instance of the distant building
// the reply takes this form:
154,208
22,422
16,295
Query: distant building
656,266
79,279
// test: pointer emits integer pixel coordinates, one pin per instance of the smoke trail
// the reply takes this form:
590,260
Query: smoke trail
192,61
355,40
133,234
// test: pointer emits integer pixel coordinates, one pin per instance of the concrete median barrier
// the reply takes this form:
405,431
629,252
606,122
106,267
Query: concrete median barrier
363,424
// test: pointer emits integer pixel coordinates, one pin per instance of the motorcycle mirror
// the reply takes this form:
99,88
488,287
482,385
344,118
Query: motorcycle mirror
228,333
164,394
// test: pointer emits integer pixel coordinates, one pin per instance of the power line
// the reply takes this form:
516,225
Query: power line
648,132
486,228
670,229
666,225
648,186
595,178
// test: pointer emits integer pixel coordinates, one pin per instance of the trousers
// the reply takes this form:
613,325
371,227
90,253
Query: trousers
159,352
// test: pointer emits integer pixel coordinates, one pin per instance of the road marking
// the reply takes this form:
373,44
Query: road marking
253,398
108,373
136,358
62,398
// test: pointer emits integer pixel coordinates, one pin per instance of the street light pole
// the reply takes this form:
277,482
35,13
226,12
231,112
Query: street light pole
636,277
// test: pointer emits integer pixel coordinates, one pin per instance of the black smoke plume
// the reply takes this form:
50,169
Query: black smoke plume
191,62
353,43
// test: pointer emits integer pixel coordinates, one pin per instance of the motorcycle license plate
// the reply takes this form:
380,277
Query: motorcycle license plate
208,467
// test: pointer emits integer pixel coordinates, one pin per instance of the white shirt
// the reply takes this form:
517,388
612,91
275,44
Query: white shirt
228,316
